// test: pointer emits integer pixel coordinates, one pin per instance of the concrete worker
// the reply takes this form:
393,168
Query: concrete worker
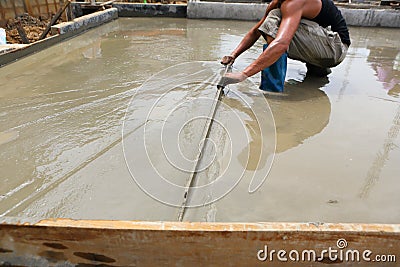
297,29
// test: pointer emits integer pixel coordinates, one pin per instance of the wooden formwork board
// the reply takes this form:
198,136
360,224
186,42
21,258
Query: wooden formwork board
10,9
136,243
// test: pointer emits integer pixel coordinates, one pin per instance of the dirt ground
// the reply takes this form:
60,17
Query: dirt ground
33,27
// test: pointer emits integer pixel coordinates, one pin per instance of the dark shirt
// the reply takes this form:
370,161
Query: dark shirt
330,15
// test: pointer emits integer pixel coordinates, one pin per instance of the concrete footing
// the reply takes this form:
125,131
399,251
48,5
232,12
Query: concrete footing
85,22
368,17
235,11
372,17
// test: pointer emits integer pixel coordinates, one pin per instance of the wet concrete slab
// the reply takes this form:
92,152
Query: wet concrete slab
337,144
62,112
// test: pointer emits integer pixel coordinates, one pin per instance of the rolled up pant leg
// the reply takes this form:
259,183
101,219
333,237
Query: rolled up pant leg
311,43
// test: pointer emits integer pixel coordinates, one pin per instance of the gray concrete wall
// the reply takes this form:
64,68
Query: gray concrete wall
85,22
354,16
372,17
236,11
150,10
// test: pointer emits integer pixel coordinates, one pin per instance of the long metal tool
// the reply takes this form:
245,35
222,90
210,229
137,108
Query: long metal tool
206,133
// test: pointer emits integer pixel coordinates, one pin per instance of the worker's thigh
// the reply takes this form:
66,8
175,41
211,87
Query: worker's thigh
311,43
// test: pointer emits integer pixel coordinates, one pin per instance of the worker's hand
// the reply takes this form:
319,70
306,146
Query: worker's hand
233,77
226,60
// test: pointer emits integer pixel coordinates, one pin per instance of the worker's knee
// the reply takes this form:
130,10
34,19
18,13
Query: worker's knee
271,23
275,14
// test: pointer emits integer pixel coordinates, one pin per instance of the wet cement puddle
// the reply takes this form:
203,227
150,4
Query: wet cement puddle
62,113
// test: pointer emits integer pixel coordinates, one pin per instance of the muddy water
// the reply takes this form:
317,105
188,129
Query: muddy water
61,114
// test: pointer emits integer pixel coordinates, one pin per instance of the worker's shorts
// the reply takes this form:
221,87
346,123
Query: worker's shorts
311,43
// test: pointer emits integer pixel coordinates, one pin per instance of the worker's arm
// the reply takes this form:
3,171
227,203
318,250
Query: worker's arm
250,38
292,11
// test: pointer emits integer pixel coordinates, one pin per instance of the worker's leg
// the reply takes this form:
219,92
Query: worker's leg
273,77
269,28
320,48
312,44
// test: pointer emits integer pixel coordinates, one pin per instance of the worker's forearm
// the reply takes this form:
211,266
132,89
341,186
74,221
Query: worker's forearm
253,35
247,42
270,55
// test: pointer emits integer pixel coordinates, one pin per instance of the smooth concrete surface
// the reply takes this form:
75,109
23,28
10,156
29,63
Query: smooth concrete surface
372,17
85,22
150,10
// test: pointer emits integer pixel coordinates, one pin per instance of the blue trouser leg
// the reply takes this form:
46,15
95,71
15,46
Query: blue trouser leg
273,77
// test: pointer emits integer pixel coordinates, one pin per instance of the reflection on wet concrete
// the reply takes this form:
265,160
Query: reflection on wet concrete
61,113
382,156
301,112
328,132
243,141
385,61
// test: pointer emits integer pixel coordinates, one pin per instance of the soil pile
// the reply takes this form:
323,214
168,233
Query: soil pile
33,28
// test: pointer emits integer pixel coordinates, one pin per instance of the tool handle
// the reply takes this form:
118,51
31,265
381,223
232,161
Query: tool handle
220,85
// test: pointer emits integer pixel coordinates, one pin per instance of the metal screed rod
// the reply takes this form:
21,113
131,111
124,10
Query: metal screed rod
206,133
